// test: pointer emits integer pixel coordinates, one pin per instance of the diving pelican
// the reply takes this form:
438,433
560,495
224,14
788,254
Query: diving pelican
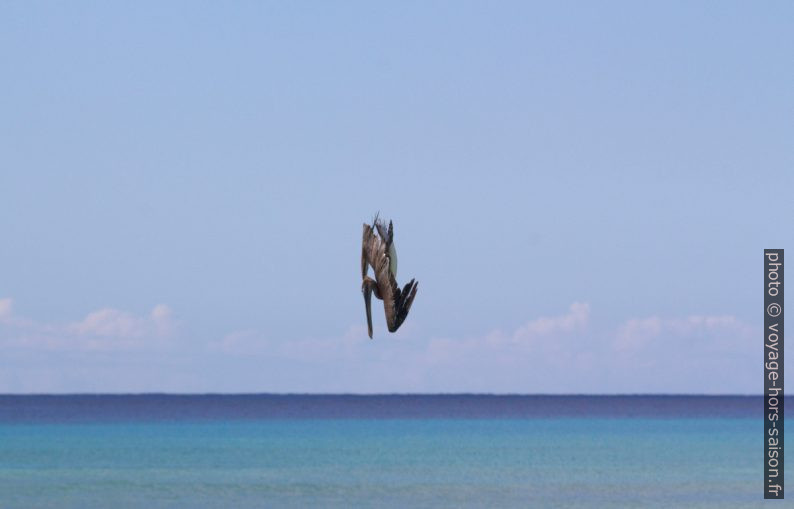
377,250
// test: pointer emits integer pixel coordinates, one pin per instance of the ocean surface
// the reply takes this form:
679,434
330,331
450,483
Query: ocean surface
246,451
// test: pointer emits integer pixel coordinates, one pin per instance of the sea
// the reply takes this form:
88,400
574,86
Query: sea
406,451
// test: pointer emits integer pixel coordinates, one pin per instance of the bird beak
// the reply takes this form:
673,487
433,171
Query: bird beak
368,303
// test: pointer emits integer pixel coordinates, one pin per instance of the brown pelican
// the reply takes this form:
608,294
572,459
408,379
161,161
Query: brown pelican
377,250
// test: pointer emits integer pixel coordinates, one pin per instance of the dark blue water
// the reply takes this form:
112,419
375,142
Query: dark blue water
158,407
380,451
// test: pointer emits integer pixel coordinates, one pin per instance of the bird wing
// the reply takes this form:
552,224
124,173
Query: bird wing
403,304
387,235
371,247
396,302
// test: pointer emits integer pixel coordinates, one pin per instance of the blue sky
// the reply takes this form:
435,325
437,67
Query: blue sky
583,191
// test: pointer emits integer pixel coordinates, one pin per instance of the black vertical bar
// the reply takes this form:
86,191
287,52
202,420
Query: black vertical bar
773,373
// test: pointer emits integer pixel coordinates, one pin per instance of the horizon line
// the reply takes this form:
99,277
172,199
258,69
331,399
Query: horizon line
380,394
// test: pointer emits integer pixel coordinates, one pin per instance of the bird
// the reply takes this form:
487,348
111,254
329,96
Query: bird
378,252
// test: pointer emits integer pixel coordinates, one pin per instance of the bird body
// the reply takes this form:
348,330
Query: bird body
378,252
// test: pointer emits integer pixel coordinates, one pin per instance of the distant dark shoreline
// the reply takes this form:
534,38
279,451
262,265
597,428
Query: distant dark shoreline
378,394
44,408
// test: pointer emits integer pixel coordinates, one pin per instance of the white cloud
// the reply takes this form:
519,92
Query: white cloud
243,342
351,362
7,316
547,354
5,310
561,353
539,334
121,324
109,322
163,320
638,333
103,329
575,320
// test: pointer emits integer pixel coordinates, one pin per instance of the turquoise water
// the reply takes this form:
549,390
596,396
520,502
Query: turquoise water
358,462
